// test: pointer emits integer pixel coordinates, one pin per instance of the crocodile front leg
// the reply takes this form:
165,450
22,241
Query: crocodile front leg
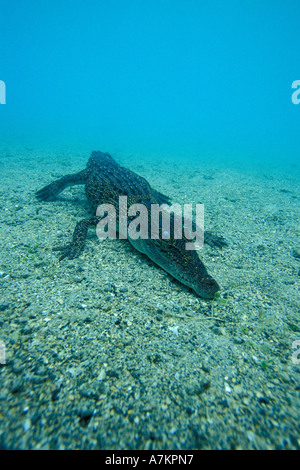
73,249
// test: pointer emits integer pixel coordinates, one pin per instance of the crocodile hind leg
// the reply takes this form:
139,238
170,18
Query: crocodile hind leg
73,249
50,191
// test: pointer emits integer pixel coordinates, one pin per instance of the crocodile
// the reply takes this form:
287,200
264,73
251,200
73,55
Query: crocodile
105,180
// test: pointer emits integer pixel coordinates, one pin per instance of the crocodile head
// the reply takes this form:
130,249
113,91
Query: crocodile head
206,286
184,265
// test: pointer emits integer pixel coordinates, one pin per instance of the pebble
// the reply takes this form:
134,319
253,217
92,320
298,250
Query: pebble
102,375
26,425
174,329
123,289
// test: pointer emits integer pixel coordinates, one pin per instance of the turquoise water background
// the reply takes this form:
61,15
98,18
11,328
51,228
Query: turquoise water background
169,77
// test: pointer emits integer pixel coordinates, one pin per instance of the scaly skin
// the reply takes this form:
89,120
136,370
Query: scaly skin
105,180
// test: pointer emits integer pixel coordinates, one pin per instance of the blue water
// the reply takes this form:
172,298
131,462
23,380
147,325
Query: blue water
179,78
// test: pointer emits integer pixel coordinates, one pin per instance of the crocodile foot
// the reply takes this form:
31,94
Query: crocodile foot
70,251
215,241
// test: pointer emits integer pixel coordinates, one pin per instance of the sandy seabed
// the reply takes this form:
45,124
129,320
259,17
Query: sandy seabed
107,351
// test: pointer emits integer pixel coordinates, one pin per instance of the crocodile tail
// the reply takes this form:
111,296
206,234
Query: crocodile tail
100,158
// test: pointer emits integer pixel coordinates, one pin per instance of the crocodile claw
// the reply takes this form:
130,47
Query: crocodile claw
214,240
70,251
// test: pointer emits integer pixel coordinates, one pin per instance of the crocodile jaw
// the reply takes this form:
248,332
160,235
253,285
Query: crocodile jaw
187,268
